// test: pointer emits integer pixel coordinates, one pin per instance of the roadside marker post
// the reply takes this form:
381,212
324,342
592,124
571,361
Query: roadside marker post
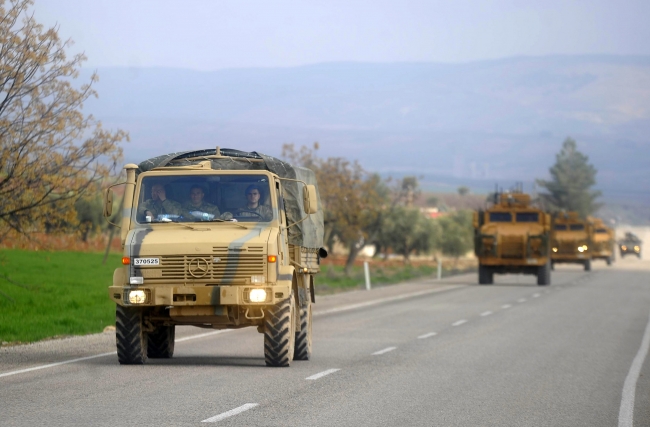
366,271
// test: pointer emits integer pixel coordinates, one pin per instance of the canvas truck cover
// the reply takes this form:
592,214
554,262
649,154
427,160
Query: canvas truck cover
308,233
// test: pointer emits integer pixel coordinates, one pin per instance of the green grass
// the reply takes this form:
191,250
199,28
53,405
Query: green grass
66,294
332,278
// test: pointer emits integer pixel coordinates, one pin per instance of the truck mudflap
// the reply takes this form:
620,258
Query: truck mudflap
182,296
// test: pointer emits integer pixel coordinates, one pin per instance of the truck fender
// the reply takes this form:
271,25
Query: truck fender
119,279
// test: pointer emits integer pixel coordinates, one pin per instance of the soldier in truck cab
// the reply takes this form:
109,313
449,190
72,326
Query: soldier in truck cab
196,206
159,204
253,209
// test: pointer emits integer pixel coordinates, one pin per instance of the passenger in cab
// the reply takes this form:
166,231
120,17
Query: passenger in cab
253,208
197,208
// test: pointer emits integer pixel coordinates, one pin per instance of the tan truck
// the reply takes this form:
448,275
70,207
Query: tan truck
512,236
218,239
571,240
603,240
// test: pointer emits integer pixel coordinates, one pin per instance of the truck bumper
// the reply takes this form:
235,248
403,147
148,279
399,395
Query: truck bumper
183,296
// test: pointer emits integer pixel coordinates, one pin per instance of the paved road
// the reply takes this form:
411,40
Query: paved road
452,354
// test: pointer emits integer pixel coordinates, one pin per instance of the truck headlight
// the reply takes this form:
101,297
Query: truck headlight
137,296
257,295
554,249
581,248
636,248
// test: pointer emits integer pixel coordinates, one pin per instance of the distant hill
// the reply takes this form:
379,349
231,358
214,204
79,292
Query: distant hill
478,123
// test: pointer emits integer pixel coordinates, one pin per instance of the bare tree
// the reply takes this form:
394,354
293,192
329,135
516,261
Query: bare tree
50,152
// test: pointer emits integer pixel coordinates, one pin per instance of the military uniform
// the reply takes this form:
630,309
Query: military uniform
156,207
263,210
208,208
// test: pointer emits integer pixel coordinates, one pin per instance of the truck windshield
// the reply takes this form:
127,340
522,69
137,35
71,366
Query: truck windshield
193,198
527,217
576,227
500,217
560,227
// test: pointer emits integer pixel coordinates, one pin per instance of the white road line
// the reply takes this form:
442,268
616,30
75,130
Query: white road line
429,335
80,359
458,323
506,306
382,300
536,295
626,413
322,374
486,313
521,300
386,350
230,413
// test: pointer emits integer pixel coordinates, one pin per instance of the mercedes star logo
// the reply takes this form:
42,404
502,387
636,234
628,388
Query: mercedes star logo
198,267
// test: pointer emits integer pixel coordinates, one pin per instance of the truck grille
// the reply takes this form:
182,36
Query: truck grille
222,267
567,247
512,247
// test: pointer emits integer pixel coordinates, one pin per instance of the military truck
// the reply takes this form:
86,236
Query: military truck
571,240
512,236
224,263
602,241
630,244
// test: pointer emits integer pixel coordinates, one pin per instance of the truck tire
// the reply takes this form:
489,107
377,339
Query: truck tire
160,343
588,265
280,333
609,260
544,274
552,265
302,346
130,337
485,275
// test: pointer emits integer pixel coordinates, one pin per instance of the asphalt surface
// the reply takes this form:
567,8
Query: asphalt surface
427,353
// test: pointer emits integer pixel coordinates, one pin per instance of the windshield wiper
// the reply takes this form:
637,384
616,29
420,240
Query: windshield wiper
228,221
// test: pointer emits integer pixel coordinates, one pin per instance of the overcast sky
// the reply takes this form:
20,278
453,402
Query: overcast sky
215,34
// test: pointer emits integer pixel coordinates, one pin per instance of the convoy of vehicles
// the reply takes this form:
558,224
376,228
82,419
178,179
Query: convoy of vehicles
630,245
512,236
571,240
228,263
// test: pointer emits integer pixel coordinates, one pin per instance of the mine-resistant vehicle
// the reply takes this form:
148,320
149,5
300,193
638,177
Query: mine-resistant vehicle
571,240
603,241
630,244
217,239
512,236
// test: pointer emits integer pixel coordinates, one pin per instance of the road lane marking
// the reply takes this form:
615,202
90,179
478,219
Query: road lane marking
429,335
230,413
458,323
521,300
486,313
382,300
95,356
505,306
626,413
322,374
386,350
536,295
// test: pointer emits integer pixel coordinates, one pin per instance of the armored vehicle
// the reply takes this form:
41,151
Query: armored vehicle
571,240
512,236
602,241
217,239
630,244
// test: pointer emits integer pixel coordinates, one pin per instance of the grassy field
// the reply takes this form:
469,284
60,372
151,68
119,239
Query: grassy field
54,294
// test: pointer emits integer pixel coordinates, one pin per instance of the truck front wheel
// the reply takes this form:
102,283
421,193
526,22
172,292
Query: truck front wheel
544,274
302,349
279,333
130,337
160,343
588,265
485,275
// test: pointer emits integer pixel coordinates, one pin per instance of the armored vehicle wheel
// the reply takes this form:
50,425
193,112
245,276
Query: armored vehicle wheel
638,256
552,265
130,337
280,333
609,261
485,275
302,346
160,343
544,274
588,265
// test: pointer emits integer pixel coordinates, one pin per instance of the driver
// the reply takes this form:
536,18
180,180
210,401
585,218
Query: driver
159,203
253,209
196,207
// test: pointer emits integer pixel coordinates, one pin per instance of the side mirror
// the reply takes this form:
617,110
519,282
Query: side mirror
108,203
309,198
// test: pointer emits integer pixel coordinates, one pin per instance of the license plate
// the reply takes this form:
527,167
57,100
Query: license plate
146,261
